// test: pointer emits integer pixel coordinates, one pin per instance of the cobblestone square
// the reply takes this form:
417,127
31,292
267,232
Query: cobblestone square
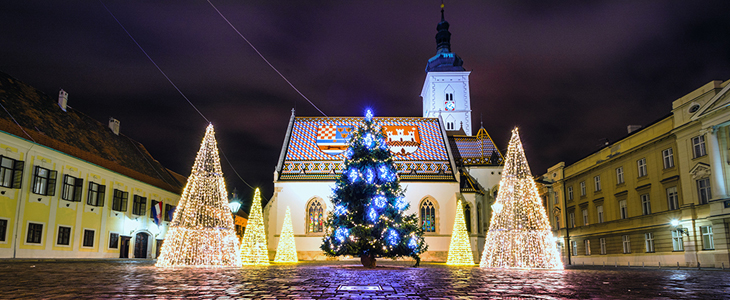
323,280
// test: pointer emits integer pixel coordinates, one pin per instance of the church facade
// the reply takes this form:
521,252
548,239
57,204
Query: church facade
438,160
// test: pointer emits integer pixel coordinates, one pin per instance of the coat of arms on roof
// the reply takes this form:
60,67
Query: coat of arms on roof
402,140
332,139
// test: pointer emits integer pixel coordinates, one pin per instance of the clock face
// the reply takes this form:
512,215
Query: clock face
450,105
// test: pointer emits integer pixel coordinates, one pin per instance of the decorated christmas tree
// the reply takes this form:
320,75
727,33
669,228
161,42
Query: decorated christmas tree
368,219
460,247
201,232
286,251
253,245
519,233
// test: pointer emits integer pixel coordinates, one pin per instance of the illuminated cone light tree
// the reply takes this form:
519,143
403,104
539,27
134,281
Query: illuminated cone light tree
460,247
201,232
519,233
368,219
286,251
253,245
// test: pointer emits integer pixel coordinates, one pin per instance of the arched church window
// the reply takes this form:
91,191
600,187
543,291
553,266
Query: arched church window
315,216
467,217
428,216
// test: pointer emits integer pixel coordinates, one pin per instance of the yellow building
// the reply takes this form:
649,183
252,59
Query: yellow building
655,197
71,187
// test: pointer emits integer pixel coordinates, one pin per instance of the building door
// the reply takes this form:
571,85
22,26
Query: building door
140,245
159,248
124,247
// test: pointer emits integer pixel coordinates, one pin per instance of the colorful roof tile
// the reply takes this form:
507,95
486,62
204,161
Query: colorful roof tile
476,150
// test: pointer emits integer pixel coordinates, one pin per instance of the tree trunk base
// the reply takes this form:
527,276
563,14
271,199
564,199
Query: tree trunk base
368,261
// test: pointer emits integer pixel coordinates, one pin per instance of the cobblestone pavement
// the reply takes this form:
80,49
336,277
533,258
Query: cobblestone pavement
327,280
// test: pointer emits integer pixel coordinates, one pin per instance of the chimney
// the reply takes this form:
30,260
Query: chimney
114,125
62,99
632,128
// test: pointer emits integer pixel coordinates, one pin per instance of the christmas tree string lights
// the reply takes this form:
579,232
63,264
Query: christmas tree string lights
201,232
286,251
519,233
253,245
460,247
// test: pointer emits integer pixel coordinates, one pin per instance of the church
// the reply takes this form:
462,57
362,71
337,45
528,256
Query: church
438,160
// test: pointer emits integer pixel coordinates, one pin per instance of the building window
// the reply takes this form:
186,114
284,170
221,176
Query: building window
44,181
703,188
71,188
11,172
428,216
479,218
597,183
677,242
571,216
668,157
587,244
64,236
649,242
35,233
641,165
623,213
626,243
574,246
96,193
570,193
698,146
113,240
585,217
672,198
467,217
119,200
88,238
169,210
645,204
3,230
582,188
139,205
619,175
599,211
707,242
603,245
315,220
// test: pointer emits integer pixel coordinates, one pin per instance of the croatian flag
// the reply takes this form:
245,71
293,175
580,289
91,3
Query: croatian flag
157,212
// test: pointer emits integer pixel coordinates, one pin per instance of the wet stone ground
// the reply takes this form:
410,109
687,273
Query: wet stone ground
335,280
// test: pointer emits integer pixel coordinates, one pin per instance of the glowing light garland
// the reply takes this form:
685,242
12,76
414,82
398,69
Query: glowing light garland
253,245
460,246
286,251
519,233
201,232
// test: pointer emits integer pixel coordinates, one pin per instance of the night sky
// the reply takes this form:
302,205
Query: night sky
569,73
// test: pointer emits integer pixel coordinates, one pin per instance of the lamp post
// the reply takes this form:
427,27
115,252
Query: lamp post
685,231
235,205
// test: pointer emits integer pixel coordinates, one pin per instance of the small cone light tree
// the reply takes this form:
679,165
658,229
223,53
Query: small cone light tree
460,247
286,251
519,233
368,218
201,232
253,245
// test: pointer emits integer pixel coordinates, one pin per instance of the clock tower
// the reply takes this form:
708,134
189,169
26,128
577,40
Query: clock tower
445,91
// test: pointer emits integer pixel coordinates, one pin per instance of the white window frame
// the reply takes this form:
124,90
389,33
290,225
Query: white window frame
570,193
582,188
27,230
626,243
574,246
698,146
619,175
587,244
119,240
623,211
704,192
668,158
83,238
649,242
70,236
672,198
602,241
599,213
7,227
571,219
677,240
641,167
708,242
645,204
585,217
597,183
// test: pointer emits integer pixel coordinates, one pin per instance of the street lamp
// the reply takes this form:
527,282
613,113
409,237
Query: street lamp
235,203
675,224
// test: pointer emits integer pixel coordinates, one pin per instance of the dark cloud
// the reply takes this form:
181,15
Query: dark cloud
568,73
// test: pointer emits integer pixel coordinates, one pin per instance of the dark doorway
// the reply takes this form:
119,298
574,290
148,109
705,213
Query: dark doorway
140,245
124,246
159,248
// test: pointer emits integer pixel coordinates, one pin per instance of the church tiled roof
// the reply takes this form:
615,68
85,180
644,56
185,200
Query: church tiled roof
78,135
475,150
314,148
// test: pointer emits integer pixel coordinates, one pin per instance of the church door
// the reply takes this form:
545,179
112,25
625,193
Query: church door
140,245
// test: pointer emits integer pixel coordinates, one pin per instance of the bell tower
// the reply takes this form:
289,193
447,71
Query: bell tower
445,91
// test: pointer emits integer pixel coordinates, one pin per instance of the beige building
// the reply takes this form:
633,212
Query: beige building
655,197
